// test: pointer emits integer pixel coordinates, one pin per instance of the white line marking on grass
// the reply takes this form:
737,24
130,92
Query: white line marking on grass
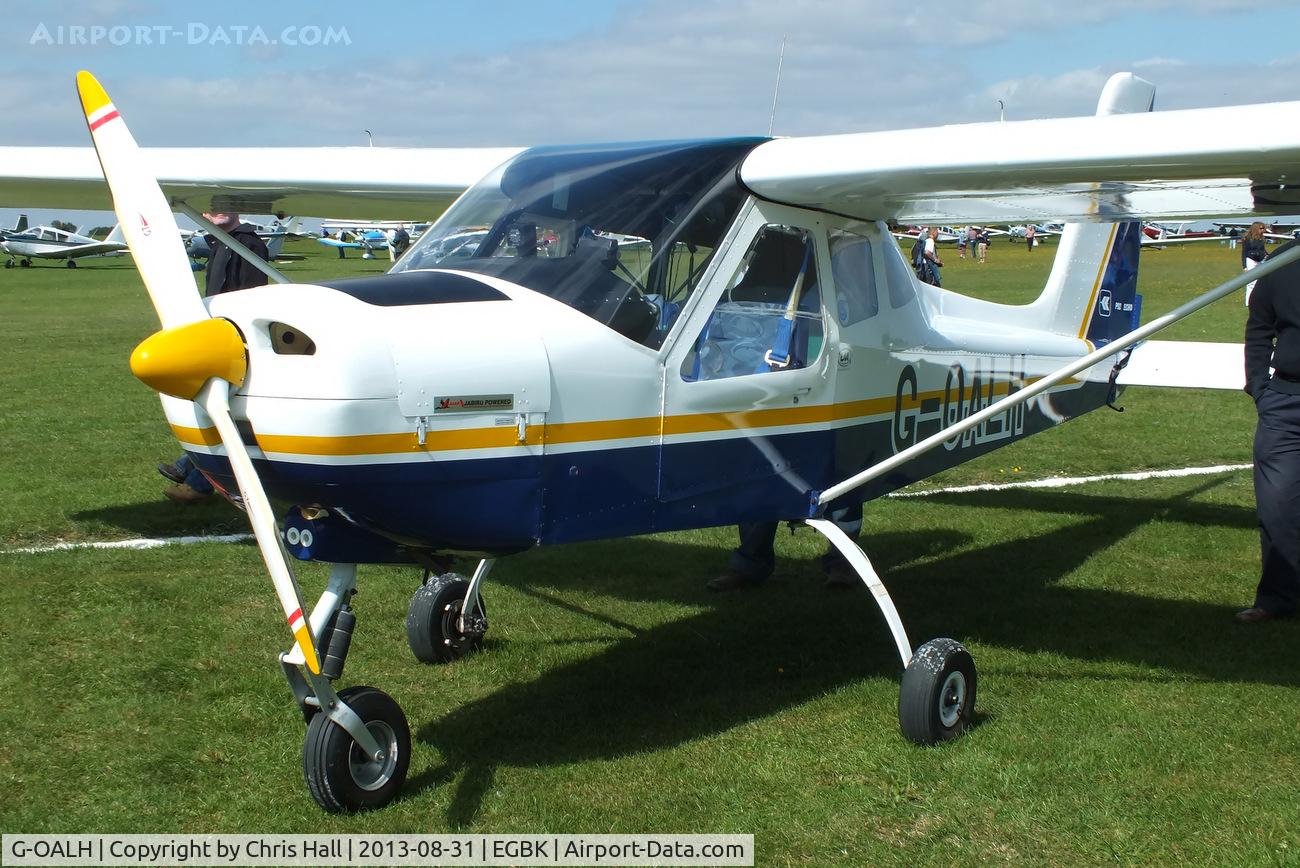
133,544
1067,481
1050,482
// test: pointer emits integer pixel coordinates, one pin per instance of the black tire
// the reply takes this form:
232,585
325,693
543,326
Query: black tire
431,620
72,263
25,263
936,701
340,777
9,263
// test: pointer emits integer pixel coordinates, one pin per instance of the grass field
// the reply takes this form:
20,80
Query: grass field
1124,718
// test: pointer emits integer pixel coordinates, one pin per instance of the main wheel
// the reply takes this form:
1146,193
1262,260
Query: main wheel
9,263
342,778
937,699
25,263
72,263
431,620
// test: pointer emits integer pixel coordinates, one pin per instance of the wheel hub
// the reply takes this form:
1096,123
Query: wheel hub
952,697
371,774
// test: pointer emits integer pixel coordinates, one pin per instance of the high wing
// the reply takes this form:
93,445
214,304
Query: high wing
1189,164
1096,169
368,183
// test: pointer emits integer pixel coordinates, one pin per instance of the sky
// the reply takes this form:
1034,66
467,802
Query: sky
512,73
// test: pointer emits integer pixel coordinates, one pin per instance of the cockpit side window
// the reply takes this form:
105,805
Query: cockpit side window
769,318
855,277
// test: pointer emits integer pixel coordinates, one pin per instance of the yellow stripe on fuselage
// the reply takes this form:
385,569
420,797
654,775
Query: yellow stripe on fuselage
197,436
505,436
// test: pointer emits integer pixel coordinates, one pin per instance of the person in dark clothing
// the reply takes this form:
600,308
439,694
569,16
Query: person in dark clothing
754,560
227,271
1273,340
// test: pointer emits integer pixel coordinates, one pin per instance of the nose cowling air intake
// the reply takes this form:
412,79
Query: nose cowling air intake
178,361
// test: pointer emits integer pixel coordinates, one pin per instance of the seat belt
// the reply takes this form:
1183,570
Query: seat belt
779,356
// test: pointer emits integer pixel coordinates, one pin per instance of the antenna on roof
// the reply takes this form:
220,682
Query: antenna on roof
1002,111
776,91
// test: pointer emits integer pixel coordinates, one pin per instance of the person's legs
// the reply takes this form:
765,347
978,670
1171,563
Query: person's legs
1277,502
177,470
194,487
838,571
753,561
196,480
755,557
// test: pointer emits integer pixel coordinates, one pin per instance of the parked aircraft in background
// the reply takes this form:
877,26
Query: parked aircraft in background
1160,235
46,242
20,225
367,240
1041,231
1276,231
414,228
196,242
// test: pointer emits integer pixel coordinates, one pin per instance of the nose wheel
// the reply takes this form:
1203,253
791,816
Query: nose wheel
341,776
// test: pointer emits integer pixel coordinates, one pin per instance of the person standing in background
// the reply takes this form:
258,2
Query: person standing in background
1253,252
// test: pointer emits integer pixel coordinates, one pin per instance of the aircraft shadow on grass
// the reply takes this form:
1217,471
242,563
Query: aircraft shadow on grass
161,517
755,654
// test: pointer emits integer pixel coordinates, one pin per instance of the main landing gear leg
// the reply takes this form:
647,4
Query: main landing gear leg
358,744
936,700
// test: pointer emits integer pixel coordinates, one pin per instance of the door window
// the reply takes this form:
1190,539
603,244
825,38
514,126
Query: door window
769,318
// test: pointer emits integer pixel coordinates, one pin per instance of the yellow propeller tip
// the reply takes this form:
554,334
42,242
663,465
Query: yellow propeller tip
92,93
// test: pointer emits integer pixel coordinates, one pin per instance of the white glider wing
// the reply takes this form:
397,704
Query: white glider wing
1188,164
365,183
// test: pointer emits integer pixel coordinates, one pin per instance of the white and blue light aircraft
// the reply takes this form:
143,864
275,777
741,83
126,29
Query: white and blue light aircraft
522,379
46,242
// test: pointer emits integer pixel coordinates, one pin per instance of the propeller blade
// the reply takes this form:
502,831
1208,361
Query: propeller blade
215,400
146,219
195,356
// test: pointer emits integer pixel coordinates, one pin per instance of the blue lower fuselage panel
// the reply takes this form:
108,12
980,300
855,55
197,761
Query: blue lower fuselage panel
501,505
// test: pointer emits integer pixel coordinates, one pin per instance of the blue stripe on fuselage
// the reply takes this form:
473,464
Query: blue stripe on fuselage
509,504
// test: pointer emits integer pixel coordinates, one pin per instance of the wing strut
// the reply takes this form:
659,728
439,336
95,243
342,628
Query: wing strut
1019,397
229,240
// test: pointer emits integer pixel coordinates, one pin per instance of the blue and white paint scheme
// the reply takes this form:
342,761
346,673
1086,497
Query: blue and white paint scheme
606,340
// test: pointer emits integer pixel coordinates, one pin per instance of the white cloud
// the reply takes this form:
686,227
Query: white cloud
669,69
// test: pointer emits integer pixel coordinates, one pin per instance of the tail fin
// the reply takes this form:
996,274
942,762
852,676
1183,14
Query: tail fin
116,236
21,225
1092,290
273,245
293,226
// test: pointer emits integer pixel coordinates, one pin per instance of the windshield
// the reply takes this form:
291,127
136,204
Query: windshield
621,233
